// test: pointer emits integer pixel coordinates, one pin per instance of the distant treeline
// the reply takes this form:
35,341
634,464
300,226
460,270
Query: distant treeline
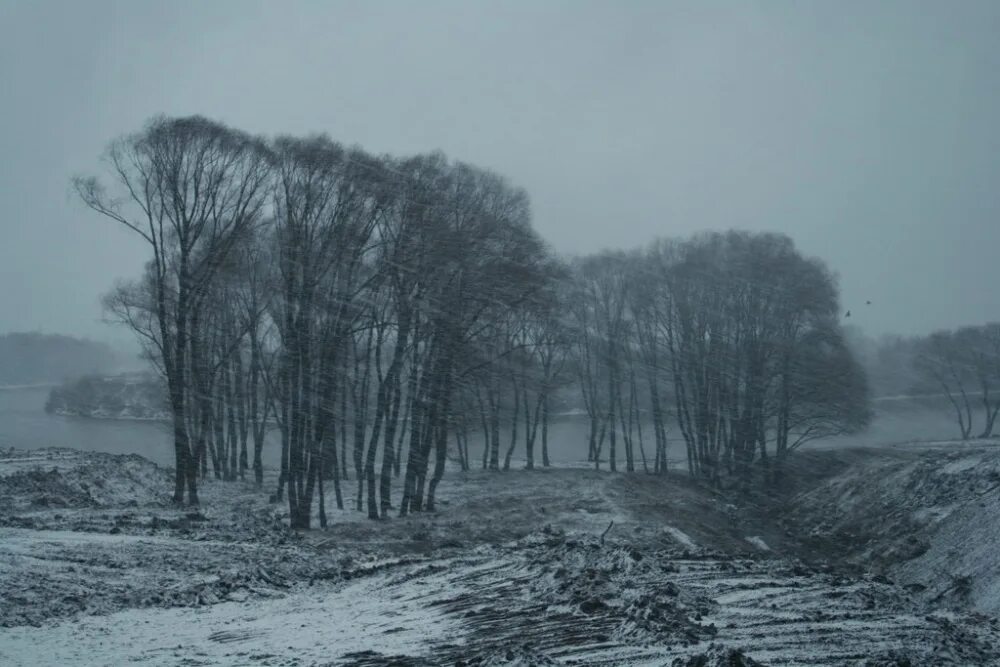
125,396
37,358
961,366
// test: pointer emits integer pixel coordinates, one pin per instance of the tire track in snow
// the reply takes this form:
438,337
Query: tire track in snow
780,613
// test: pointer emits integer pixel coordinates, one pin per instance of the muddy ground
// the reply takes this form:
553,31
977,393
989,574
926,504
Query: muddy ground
864,557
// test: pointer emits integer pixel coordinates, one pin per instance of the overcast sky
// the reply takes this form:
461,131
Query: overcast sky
867,131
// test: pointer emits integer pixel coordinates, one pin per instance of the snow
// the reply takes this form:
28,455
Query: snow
312,625
511,569
928,518
962,465
506,597
680,537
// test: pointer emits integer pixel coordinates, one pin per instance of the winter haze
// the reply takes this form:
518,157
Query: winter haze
864,130
500,333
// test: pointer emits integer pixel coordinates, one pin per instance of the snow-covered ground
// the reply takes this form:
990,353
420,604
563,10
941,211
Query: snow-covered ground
563,566
927,516
310,625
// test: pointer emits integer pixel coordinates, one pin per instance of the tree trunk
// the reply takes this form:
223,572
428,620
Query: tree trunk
494,444
513,427
441,450
388,454
545,431
257,424
241,411
531,427
182,450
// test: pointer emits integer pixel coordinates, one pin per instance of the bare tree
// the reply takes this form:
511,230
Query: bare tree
327,202
190,188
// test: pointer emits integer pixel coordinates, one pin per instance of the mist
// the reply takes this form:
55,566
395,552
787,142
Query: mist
865,131
499,333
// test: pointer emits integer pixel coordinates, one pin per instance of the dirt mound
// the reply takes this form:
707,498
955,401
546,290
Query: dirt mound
564,597
581,574
94,573
717,656
925,519
92,533
889,659
63,478
883,510
515,656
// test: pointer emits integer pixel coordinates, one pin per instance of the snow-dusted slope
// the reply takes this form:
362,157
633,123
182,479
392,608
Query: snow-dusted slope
928,517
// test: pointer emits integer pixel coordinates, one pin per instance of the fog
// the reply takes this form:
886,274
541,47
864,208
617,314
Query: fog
866,131
499,332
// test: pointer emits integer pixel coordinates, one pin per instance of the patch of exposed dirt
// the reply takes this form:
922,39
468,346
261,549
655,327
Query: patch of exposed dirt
47,575
65,478
85,533
717,656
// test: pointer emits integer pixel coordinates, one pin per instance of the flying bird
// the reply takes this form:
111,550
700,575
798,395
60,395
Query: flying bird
848,314
868,303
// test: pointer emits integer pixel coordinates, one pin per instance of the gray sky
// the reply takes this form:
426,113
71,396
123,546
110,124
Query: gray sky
868,131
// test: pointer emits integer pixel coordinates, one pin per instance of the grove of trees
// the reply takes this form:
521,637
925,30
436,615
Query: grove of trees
380,311
963,364
957,370
735,334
